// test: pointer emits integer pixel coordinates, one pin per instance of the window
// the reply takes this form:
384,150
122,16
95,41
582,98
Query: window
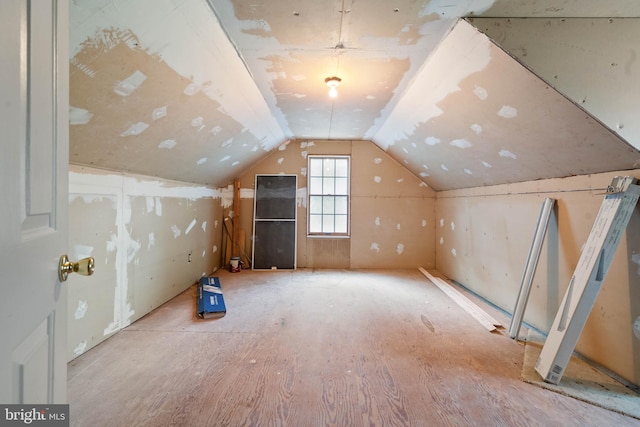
328,196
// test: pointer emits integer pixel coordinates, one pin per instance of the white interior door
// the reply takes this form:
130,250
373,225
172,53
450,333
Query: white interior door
34,89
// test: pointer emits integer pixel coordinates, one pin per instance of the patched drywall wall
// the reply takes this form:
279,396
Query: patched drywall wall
474,116
483,236
156,88
392,211
594,62
151,239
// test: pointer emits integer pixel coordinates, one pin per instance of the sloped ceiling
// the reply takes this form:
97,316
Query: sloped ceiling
198,90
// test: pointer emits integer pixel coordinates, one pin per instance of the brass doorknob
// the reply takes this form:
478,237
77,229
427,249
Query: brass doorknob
84,266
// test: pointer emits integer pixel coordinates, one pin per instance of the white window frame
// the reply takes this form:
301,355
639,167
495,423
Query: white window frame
310,195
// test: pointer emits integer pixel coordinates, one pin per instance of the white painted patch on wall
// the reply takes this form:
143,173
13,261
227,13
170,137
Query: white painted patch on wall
476,128
227,143
168,144
84,68
377,221
112,244
305,144
486,165
80,348
135,129
377,179
398,226
283,147
280,160
636,327
370,97
432,140
81,310
255,148
454,252
216,223
303,171
304,154
133,247
202,161
197,122
236,163
375,247
480,92
159,113
215,130
130,84
215,249
507,154
400,180
424,223
191,89
453,226
226,196
204,226
190,226
441,240
151,241
424,174
461,143
79,116
225,158
299,95
301,197
400,248
441,222
176,231
377,160
204,253
158,203
468,171
444,167
263,27
405,150
508,112
150,201
635,258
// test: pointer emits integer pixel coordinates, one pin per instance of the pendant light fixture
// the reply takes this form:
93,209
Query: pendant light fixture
333,83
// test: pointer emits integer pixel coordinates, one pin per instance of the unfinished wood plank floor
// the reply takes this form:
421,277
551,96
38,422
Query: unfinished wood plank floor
317,348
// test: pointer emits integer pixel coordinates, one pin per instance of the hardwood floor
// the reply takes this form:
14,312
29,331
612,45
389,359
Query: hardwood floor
317,348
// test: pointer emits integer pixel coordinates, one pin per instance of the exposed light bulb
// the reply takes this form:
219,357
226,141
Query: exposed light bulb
332,83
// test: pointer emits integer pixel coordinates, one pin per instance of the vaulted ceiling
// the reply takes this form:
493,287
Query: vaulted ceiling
464,93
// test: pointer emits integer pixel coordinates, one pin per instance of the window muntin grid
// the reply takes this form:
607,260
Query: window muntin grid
328,183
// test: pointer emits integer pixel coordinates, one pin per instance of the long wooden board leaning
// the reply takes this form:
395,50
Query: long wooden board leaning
481,316
608,228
